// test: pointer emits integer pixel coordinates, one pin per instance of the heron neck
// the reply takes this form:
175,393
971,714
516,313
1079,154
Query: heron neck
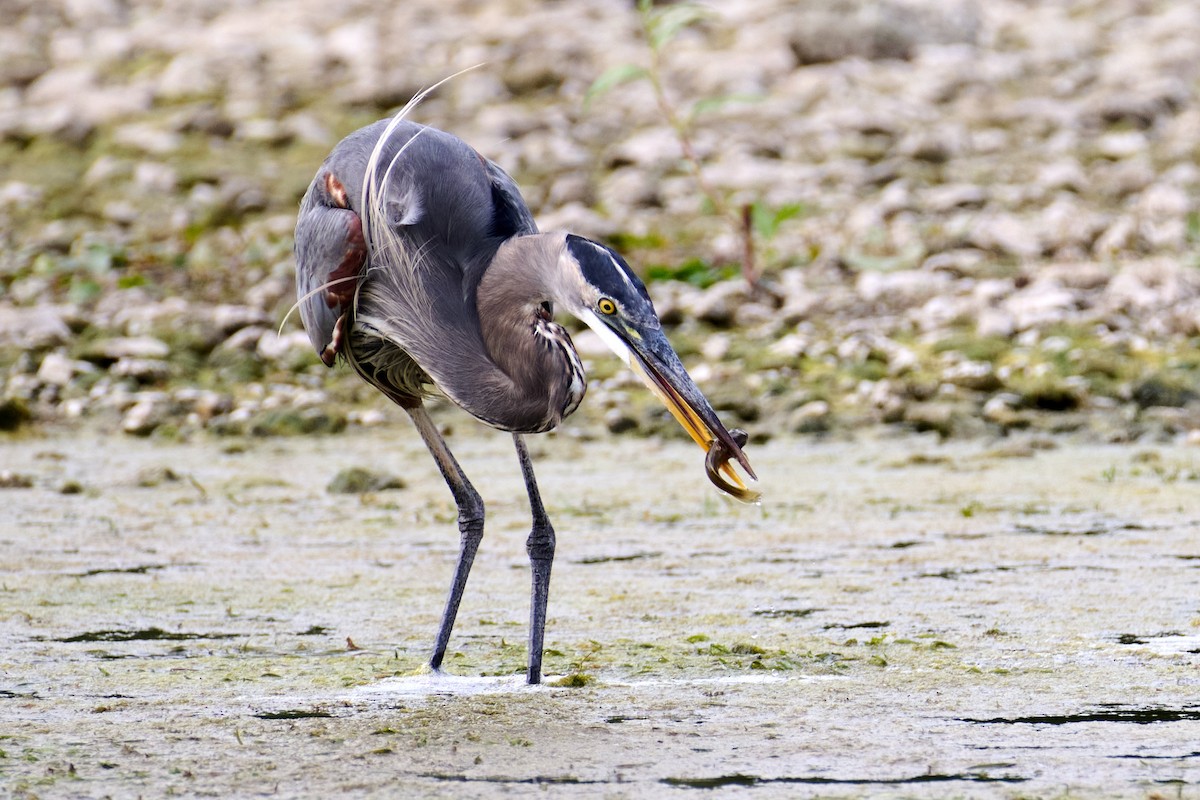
536,354
524,273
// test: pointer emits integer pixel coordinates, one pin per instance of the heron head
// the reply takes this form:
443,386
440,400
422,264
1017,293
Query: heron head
613,302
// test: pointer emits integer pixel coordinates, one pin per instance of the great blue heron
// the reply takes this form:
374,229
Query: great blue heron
420,264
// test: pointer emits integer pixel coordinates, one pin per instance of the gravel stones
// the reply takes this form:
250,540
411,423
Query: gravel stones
33,327
993,176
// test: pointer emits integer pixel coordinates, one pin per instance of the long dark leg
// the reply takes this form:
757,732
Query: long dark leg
540,546
470,524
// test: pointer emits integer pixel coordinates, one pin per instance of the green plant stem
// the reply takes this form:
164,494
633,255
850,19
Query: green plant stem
682,133
682,130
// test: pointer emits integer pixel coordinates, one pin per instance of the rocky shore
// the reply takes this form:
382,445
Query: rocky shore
971,218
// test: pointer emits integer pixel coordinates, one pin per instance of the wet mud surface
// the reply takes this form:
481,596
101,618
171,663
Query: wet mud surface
898,618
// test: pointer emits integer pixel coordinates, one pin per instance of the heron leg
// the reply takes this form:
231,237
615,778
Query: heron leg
470,524
540,546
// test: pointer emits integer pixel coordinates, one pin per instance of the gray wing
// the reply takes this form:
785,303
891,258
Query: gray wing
331,253
331,257
512,216
443,203
508,216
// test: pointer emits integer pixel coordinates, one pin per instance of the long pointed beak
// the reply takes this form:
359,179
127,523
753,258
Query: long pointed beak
652,358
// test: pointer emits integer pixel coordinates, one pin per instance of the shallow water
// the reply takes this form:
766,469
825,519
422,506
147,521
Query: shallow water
898,618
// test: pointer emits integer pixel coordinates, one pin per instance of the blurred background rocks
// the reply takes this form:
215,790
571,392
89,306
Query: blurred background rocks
970,217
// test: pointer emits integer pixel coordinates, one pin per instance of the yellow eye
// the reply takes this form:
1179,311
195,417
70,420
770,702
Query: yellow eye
606,306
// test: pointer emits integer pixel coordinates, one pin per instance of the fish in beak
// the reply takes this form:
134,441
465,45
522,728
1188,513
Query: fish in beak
651,357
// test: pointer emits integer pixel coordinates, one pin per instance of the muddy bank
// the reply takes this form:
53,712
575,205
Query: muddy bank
899,618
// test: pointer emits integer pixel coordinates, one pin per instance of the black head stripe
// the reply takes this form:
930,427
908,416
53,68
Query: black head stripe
604,268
